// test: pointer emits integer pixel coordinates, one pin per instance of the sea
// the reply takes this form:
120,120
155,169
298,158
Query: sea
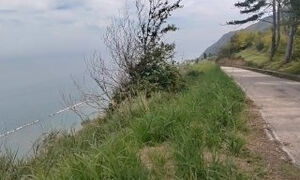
31,103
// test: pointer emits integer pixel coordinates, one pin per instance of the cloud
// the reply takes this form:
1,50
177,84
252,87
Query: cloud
79,11
43,27
25,4
40,28
65,5
201,23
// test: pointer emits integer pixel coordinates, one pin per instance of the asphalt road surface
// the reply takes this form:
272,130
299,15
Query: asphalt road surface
279,103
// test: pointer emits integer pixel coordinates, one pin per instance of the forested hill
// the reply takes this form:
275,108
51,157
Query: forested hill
260,26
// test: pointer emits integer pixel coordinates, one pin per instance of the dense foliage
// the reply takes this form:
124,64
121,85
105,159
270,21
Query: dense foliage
254,48
253,8
142,60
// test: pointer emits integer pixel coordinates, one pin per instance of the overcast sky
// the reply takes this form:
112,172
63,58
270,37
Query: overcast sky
66,28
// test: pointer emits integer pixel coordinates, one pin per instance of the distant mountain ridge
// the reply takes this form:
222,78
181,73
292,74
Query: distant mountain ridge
260,26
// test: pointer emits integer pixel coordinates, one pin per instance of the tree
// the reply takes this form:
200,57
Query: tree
278,19
256,9
252,7
140,59
156,54
274,30
294,17
295,4
276,35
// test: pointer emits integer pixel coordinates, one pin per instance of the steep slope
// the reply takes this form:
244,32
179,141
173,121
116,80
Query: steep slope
215,48
260,26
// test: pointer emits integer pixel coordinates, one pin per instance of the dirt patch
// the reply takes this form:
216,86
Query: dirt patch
232,62
275,160
158,160
242,163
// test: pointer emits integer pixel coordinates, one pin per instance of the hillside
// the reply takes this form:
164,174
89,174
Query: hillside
215,48
203,132
260,26
253,49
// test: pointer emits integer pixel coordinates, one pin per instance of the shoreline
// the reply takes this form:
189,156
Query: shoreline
9,132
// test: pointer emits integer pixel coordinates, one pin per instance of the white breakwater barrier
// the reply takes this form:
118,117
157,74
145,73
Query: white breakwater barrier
7,133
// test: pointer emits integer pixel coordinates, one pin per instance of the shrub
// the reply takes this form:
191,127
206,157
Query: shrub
260,46
193,73
141,60
226,52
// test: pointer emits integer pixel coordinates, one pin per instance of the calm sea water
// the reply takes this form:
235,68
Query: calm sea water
30,90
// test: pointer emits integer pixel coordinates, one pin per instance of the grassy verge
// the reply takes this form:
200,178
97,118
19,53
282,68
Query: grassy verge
199,133
253,49
257,59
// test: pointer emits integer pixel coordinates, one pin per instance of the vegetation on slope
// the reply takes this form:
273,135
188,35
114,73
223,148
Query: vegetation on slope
279,44
253,48
195,134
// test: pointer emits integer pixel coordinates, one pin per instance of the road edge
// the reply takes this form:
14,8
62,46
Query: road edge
269,72
269,131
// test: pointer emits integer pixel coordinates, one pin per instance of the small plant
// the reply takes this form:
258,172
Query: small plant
193,73
260,46
235,143
226,52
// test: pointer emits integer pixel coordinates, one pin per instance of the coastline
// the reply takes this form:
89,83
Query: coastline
7,133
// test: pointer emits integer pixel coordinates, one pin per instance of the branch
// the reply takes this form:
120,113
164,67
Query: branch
250,19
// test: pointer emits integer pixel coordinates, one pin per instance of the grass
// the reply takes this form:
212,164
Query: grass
261,59
252,57
196,134
257,59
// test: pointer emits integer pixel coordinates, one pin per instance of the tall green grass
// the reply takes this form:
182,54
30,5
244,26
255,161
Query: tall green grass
201,129
260,58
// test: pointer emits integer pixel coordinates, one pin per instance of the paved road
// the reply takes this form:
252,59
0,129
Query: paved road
279,103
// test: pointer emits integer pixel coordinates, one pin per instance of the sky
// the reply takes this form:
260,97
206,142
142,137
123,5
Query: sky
67,28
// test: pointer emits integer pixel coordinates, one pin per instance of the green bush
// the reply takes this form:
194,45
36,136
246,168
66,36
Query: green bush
193,73
241,41
226,52
260,46
153,74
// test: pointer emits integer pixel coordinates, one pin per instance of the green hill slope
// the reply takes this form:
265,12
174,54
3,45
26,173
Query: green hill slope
194,134
254,48
199,133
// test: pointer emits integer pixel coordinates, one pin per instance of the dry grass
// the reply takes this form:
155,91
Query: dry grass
159,160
